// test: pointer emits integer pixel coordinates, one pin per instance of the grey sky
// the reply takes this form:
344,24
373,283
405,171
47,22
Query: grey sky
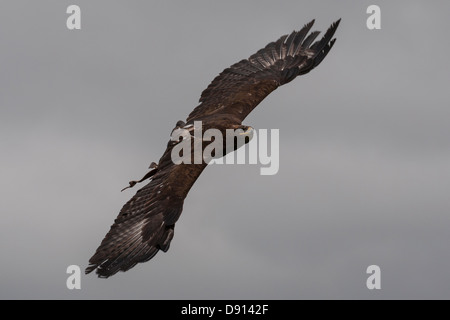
364,158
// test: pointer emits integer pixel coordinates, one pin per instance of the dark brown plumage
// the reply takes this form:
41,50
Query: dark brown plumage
146,223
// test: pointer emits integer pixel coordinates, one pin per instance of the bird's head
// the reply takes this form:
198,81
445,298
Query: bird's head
239,136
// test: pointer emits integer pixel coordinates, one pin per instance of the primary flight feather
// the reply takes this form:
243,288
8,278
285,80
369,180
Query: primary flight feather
146,222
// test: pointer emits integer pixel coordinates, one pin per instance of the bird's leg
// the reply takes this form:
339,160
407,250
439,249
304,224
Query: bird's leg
149,174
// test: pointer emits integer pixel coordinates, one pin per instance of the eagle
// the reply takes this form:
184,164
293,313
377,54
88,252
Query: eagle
146,222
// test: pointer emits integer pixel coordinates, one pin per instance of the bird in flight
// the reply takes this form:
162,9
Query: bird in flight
146,222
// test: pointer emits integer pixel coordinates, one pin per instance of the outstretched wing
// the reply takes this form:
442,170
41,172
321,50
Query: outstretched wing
146,223
241,87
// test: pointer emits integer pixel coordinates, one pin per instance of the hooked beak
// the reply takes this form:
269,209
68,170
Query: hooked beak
247,132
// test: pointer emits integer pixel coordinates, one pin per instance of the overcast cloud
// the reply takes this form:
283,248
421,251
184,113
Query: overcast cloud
364,150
